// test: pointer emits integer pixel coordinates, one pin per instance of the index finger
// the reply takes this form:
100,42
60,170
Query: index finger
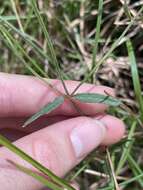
25,95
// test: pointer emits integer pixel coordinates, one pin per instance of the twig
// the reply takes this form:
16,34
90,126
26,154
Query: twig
112,170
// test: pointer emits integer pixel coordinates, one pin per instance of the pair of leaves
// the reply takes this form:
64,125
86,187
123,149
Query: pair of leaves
82,97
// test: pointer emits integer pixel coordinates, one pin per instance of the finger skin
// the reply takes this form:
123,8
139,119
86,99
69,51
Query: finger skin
24,96
17,122
115,129
53,149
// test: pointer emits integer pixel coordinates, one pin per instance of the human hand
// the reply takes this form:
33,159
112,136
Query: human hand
59,140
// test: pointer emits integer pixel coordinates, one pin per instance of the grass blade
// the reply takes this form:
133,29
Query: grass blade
47,109
134,166
112,170
97,36
127,148
20,52
17,16
5,142
27,38
49,43
135,77
97,98
36,176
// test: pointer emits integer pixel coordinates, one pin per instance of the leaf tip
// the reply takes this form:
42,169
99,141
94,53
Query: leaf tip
24,125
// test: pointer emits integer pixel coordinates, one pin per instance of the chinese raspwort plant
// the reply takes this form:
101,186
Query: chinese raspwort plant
82,97
18,50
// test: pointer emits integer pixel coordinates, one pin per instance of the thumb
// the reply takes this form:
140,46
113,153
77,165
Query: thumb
59,147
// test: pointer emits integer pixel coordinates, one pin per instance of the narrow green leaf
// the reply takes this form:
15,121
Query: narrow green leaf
20,52
61,182
97,35
47,109
13,4
27,38
135,77
97,98
36,176
127,10
134,166
127,147
49,44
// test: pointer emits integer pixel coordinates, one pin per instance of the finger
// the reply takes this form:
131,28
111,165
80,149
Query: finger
115,129
17,122
73,184
12,134
23,96
8,126
59,147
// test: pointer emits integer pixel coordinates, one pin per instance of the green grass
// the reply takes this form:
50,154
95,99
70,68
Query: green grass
51,46
135,77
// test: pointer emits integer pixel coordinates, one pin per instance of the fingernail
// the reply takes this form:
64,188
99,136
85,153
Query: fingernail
87,136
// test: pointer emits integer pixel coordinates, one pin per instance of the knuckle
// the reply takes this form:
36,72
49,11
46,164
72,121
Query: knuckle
45,151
